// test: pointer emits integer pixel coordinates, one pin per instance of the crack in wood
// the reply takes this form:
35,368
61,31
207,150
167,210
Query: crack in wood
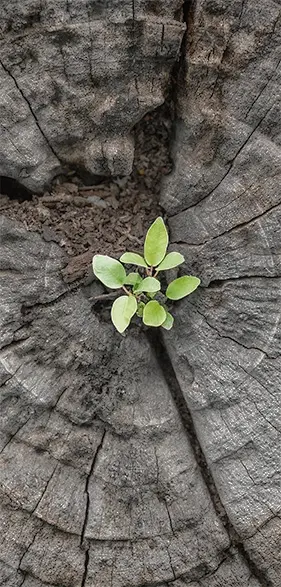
171,565
163,358
86,564
45,490
162,38
13,436
26,307
231,230
263,89
87,555
231,164
158,347
227,337
29,546
99,448
12,345
226,554
37,578
169,516
31,111
23,580
264,524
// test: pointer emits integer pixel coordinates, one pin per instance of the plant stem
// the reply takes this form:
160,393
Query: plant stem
129,293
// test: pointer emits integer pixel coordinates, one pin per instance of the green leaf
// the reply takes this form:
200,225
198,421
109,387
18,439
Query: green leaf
156,242
140,309
149,284
133,259
153,314
133,279
122,312
181,287
168,324
109,271
171,260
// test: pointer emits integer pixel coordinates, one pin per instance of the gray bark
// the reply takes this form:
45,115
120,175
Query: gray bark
125,464
224,203
99,480
75,78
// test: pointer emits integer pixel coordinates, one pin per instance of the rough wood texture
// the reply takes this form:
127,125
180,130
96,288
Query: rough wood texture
129,465
99,480
75,77
225,204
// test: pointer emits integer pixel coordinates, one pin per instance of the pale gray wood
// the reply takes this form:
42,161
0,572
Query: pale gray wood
104,482
76,77
224,201
99,481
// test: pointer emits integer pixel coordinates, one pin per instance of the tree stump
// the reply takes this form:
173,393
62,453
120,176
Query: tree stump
150,460
76,77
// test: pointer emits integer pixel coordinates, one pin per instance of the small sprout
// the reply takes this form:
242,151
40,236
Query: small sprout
143,284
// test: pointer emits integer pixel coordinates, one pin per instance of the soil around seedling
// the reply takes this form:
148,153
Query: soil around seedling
107,218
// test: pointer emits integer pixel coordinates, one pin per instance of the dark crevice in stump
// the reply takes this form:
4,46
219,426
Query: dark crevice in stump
87,491
13,189
156,341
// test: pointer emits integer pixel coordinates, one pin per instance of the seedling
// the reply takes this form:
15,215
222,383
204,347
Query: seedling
142,286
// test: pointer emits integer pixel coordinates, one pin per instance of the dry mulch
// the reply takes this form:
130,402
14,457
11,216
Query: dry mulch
107,218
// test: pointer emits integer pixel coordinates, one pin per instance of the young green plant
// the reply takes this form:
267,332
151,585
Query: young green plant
142,286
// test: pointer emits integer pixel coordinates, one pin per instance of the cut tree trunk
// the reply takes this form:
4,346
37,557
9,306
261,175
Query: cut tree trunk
150,461
101,484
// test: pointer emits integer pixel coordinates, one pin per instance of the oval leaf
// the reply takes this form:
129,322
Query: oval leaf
153,314
133,259
133,279
149,284
109,271
168,324
156,242
122,312
181,287
171,260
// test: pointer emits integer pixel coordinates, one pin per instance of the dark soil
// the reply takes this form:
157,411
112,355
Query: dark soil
107,218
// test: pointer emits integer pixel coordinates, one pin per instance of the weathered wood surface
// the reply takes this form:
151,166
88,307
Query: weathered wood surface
75,77
224,203
99,481
105,480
